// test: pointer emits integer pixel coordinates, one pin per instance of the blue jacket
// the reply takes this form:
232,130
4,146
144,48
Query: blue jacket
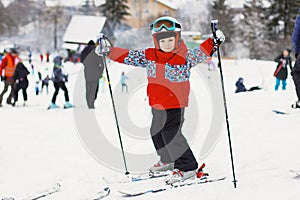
240,87
296,35
58,75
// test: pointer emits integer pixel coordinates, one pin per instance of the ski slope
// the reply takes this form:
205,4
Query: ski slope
78,147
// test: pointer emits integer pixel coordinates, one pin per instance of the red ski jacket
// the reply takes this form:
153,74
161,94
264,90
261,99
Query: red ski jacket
168,73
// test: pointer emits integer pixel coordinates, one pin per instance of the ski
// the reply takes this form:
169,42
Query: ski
169,187
58,107
52,108
129,179
151,175
68,107
281,112
295,173
54,189
102,194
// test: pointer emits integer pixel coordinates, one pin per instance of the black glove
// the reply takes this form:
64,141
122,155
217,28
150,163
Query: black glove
296,55
2,78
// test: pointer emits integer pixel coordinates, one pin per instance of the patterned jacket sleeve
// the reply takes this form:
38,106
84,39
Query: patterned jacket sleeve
296,36
136,58
195,56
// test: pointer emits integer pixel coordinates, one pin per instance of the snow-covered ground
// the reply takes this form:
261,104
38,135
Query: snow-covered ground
78,147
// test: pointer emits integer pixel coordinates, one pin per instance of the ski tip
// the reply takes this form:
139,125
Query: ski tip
279,112
8,198
126,194
65,107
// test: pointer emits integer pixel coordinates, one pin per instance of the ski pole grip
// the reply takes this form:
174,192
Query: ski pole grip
214,26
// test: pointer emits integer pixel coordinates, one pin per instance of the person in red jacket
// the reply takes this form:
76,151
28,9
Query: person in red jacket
8,65
168,68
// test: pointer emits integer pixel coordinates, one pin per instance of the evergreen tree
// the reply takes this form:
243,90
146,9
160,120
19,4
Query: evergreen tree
225,15
115,11
88,7
281,15
253,31
2,17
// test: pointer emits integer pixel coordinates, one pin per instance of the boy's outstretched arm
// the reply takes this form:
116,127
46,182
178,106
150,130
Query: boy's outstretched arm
118,54
206,49
135,58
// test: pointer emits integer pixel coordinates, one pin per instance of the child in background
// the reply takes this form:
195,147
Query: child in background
211,62
37,90
59,79
240,87
123,82
45,83
281,73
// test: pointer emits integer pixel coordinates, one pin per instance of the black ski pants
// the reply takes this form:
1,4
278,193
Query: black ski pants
169,141
22,85
57,86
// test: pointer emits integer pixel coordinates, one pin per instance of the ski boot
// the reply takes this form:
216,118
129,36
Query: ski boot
161,167
52,106
180,176
68,105
296,105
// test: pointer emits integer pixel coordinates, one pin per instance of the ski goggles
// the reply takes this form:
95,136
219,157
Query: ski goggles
167,24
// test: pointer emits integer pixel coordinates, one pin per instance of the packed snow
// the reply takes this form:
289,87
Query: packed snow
40,147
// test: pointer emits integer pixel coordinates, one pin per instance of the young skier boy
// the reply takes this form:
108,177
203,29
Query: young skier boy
168,68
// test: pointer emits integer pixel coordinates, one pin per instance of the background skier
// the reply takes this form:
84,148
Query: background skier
8,64
20,77
123,82
45,83
281,73
59,79
240,87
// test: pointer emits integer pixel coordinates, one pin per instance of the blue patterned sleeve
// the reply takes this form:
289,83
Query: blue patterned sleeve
136,58
195,56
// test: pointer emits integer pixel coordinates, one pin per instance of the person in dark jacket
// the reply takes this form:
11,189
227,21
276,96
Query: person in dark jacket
240,87
59,79
281,73
45,83
20,77
296,69
93,69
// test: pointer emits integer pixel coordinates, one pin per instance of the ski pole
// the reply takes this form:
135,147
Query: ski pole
214,27
102,39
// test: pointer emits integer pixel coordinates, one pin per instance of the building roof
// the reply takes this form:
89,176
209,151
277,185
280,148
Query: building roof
83,28
169,3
